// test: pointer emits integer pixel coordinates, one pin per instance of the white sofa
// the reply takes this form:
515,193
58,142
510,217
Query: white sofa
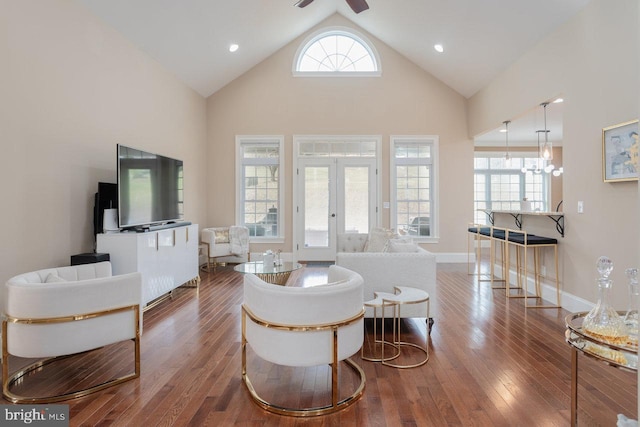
382,271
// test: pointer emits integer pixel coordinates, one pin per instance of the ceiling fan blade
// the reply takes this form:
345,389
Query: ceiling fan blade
358,5
303,3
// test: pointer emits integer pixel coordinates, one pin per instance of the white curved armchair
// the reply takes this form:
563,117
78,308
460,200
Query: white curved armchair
225,244
59,312
302,327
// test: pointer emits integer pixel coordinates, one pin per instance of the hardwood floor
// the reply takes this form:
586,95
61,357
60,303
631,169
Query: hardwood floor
492,363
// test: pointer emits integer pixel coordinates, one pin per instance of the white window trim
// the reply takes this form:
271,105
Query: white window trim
350,32
256,140
433,140
517,154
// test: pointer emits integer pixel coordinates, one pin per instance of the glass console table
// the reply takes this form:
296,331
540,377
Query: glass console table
276,274
620,356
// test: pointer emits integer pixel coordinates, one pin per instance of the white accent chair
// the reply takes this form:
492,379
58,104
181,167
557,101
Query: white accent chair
224,244
304,327
382,271
59,312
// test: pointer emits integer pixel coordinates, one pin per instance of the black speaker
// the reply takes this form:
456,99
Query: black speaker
105,198
88,258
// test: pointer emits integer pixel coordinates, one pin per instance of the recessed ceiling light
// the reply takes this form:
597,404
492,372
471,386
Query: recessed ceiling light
503,131
559,100
233,47
439,48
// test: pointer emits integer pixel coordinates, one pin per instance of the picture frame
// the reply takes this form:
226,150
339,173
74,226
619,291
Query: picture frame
620,152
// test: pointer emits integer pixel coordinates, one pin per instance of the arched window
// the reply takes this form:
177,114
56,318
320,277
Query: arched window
337,51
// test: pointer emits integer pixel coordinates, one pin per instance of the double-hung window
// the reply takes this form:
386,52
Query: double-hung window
260,185
499,185
414,161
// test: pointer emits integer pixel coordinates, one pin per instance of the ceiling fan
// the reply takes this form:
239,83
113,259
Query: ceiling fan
357,5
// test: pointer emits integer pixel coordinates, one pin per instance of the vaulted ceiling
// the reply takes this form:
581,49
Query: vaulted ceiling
191,38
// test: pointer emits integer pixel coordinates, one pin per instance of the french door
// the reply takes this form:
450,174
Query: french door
336,195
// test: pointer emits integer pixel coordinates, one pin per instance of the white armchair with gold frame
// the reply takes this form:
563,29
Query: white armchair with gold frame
224,244
305,327
61,312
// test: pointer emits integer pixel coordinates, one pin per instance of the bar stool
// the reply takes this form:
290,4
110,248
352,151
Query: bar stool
403,295
499,236
495,235
523,241
479,233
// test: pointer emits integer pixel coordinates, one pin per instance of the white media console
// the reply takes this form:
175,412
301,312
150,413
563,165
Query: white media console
166,258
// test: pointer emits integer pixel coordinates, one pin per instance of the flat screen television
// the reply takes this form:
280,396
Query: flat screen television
150,188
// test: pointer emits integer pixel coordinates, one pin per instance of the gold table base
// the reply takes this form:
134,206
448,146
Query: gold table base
275,278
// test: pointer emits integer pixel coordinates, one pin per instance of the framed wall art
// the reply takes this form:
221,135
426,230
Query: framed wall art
620,152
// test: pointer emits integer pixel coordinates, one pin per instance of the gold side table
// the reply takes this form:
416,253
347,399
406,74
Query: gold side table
404,295
377,355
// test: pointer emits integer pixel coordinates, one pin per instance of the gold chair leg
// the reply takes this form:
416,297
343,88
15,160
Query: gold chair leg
9,380
477,250
310,412
335,406
505,278
538,281
520,271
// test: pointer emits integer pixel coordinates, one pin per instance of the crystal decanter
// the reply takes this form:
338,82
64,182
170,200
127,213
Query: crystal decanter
603,322
631,317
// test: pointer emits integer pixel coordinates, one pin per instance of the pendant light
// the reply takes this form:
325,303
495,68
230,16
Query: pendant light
507,156
546,151
539,161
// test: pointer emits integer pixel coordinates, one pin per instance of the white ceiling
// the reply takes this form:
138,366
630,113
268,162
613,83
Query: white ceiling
191,37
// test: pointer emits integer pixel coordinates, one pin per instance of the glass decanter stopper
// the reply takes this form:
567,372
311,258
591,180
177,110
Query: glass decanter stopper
631,317
603,322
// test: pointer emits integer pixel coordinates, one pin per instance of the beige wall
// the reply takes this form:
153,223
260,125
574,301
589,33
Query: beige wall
404,101
592,61
71,89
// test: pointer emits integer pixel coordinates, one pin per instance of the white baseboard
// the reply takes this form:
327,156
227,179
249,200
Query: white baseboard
454,257
568,301
575,304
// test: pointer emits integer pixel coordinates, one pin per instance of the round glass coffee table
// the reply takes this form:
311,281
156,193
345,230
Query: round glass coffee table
276,274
